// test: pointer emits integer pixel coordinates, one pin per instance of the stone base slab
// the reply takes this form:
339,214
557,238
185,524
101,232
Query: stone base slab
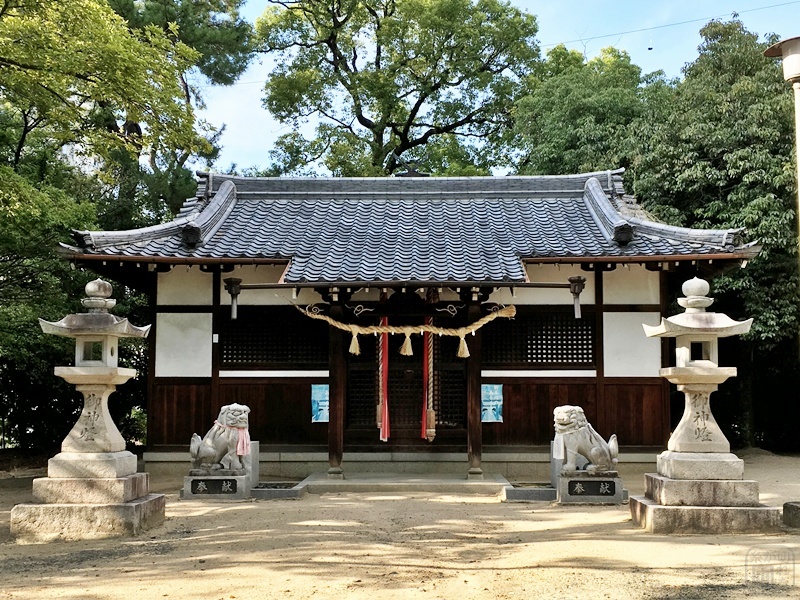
700,492
585,488
95,465
655,518
700,465
529,494
48,490
32,523
216,487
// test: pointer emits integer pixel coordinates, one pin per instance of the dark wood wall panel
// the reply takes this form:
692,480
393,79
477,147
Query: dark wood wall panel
636,408
177,410
638,411
280,411
528,410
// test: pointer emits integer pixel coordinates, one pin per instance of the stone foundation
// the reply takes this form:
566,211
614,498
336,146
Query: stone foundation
50,522
88,495
695,492
656,518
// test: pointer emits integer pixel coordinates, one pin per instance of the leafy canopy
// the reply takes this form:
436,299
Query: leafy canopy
386,77
575,115
212,28
721,156
68,62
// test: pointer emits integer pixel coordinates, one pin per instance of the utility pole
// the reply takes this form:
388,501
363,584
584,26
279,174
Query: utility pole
789,51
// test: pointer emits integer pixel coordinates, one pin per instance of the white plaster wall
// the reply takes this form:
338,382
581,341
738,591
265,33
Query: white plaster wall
185,286
183,345
631,284
548,274
627,351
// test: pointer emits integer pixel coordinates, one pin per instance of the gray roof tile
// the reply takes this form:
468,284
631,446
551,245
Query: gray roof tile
408,229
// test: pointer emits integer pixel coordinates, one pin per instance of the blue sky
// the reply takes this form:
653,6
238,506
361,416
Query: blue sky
656,34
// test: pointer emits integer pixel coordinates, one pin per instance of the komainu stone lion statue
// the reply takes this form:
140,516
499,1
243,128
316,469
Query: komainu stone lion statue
575,436
227,443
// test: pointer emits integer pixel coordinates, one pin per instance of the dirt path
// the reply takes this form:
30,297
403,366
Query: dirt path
402,546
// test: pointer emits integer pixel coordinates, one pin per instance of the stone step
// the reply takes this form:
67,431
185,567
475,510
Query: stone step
700,492
81,490
48,522
70,465
700,465
656,518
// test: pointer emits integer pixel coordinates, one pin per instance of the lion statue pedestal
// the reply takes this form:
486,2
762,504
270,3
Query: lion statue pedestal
583,464
225,461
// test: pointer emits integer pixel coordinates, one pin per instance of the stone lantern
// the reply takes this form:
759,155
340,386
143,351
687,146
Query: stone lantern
699,487
92,488
697,374
96,375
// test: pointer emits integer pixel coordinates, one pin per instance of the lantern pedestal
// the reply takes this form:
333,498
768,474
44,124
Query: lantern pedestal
699,487
92,489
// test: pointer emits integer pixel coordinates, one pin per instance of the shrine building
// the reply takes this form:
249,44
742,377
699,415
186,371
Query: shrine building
367,322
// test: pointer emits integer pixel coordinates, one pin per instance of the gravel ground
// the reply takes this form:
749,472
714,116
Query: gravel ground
417,545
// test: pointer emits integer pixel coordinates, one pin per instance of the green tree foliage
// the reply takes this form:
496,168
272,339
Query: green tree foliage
83,95
722,157
213,28
222,40
70,65
711,150
387,77
575,116
715,150
35,282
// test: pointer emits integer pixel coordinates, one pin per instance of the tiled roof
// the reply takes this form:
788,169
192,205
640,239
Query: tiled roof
409,229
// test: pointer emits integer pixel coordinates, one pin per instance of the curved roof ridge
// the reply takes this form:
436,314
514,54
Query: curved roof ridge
213,215
612,224
208,219
727,239
210,183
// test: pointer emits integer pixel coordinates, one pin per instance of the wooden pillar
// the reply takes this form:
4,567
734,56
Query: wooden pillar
216,354
474,427
604,419
337,367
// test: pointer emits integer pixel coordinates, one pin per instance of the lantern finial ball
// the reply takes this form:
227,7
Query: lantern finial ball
696,287
98,289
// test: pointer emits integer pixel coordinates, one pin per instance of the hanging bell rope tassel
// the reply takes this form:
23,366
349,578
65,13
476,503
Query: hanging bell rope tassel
430,431
406,349
463,351
355,348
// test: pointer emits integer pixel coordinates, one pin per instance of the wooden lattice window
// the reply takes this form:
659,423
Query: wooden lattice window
549,338
274,337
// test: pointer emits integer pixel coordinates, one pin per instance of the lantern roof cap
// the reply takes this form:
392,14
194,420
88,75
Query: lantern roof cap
695,320
98,321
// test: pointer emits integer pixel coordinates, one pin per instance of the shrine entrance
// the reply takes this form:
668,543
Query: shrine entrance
406,393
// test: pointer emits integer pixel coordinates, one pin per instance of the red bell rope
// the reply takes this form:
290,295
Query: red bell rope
383,369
